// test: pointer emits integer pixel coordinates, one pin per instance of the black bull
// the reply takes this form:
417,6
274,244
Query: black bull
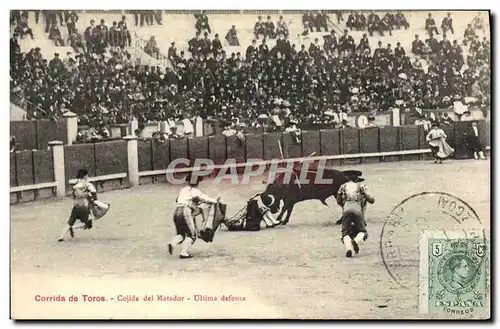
292,192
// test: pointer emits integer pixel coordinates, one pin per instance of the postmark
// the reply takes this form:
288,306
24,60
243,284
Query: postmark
400,236
455,273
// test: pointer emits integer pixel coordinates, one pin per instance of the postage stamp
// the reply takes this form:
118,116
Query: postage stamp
455,273
417,213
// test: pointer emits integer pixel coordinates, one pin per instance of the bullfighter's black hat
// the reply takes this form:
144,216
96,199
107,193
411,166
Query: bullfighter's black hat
82,172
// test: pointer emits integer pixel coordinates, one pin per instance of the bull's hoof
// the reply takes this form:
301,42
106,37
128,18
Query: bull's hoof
348,254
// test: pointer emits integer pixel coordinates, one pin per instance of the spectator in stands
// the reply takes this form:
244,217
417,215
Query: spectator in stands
417,46
50,19
386,24
206,44
374,24
114,35
259,28
399,52
270,28
321,21
172,53
195,45
14,46
56,36
314,48
305,30
364,43
346,42
71,19
151,48
476,91
478,23
469,33
126,38
61,14
282,28
445,44
252,52
158,17
102,37
202,23
263,50
217,44
228,130
447,24
308,21
400,20
15,17
430,25
23,29
13,144
149,16
379,52
75,40
361,21
56,63
433,44
232,37
90,36
389,18
351,21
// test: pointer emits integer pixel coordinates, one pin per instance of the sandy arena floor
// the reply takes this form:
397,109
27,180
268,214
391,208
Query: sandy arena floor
293,271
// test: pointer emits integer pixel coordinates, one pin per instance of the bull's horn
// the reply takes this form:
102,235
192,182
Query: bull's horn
272,199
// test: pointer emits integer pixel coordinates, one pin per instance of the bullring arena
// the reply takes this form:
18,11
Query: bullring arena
293,271
296,271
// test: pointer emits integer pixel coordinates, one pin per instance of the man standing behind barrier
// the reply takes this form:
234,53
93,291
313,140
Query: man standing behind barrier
187,203
352,197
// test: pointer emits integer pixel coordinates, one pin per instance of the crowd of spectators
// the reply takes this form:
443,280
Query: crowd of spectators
101,83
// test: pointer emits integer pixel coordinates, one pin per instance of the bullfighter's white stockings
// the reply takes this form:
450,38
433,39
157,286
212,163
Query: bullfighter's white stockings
188,242
359,238
348,245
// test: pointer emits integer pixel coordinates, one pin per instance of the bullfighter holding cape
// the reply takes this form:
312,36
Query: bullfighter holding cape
352,197
437,142
86,207
188,201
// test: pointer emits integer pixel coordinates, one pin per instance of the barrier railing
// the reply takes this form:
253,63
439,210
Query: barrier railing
130,162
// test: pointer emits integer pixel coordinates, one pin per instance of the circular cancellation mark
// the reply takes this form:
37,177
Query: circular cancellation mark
400,237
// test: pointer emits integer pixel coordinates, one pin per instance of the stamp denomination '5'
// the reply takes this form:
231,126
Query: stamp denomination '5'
454,273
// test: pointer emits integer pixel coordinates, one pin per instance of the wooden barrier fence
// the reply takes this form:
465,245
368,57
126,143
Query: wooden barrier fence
129,162
36,134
